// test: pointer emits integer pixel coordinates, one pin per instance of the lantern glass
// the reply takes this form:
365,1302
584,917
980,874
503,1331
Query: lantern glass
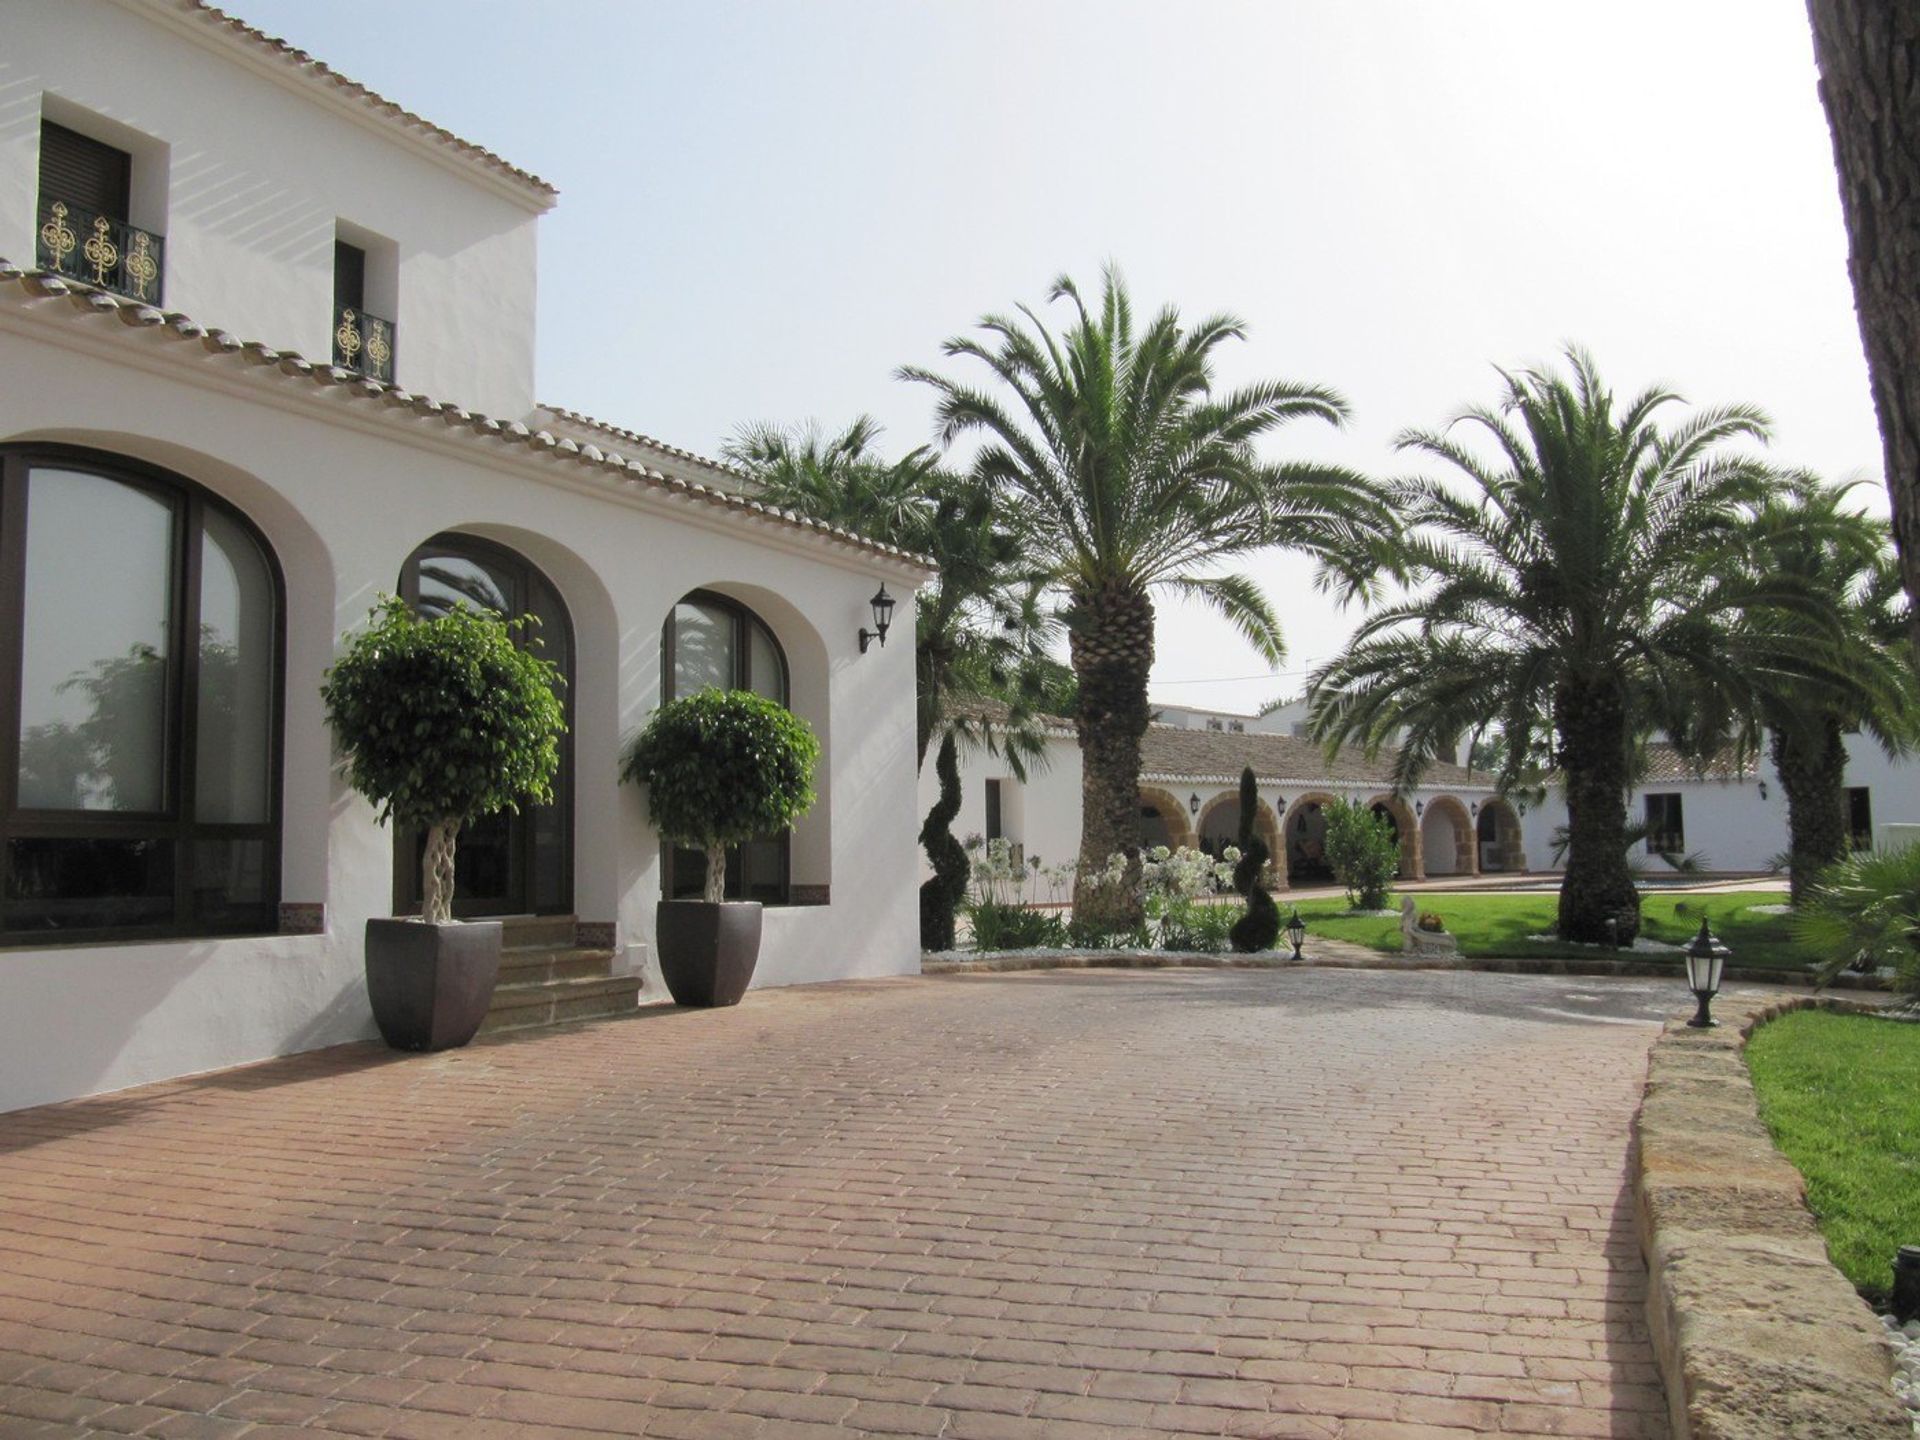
882,604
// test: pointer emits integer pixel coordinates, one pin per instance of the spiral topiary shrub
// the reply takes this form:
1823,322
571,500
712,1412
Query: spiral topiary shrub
443,721
942,892
1259,928
723,767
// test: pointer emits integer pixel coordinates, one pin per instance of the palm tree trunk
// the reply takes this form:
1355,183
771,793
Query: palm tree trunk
1868,52
1111,631
1591,720
1813,772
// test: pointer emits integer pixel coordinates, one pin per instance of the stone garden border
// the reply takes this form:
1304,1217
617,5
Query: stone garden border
1755,1331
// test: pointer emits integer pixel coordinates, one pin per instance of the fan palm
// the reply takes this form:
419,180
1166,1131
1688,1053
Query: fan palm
1126,472
980,638
1584,588
1844,560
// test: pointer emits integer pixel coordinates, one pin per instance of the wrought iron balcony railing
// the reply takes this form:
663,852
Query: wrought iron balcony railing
101,250
363,342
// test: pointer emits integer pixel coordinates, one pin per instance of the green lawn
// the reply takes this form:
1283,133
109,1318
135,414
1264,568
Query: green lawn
1499,925
1841,1094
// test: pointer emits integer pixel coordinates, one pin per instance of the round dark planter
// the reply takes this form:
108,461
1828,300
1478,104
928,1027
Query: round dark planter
707,951
431,984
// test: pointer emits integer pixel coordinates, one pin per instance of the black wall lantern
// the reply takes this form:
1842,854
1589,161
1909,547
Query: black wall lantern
882,604
1296,932
1193,804
1706,958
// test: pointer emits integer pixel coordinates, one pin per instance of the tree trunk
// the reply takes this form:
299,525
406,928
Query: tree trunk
436,873
1813,772
1111,630
716,874
1868,52
1591,720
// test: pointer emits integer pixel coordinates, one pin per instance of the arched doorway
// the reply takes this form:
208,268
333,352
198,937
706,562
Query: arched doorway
1446,838
1498,829
1163,820
1306,841
1219,827
505,864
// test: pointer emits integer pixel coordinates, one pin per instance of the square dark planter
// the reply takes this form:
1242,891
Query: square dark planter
431,984
707,951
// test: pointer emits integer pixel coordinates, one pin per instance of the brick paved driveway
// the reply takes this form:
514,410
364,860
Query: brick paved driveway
1313,1203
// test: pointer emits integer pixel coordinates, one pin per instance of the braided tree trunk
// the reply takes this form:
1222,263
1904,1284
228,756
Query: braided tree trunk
436,873
1591,719
1112,648
1813,772
716,874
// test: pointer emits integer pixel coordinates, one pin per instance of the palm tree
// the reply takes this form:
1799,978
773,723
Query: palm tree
980,637
1843,560
1127,473
1583,590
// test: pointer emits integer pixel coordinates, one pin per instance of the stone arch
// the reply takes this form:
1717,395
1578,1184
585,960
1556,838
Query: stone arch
1303,835
1497,833
1220,820
1407,829
809,673
1447,838
1172,815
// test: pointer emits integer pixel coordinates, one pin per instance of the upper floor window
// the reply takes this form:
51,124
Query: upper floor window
86,189
140,682
710,640
362,340
1860,817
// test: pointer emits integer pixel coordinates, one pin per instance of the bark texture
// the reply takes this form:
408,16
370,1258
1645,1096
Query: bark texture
1868,52
436,873
1813,772
1591,719
1111,632
716,874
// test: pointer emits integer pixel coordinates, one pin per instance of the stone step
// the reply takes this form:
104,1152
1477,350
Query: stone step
534,967
523,1007
537,932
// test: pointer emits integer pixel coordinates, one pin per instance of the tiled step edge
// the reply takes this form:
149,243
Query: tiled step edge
518,1007
1756,1333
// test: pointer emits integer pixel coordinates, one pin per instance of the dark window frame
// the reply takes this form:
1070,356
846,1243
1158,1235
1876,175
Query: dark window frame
176,823
1859,817
1665,836
743,618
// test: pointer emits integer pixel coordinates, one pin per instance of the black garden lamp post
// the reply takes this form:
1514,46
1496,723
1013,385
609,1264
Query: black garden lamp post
1296,932
1906,1284
1706,958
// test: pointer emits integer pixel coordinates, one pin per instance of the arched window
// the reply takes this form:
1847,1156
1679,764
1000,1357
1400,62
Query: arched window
710,640
513,862
140,683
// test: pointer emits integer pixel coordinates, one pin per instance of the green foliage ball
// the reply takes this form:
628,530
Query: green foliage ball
723,767
444,720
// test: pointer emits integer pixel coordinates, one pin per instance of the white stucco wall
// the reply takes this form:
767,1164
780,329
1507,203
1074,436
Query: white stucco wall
1732,825
248,176
343,494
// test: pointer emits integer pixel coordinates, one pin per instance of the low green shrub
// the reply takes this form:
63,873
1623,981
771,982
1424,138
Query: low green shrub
1867,904
1361,848
998,926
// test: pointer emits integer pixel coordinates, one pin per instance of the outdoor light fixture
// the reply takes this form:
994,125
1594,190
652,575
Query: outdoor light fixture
1193,804
1296,932
1474,808
1763,789
1419,807
882,604
1706,957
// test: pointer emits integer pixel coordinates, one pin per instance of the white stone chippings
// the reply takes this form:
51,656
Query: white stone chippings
1905,1341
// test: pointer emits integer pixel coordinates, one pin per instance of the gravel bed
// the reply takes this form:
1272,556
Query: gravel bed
1641,945
1905,1340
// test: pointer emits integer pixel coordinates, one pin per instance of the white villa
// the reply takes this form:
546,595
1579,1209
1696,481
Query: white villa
1453,824
268,341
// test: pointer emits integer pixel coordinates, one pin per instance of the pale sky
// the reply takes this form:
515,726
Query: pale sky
767,205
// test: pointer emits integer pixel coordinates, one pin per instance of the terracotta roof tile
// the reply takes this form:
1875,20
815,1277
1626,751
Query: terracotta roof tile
33,288
1667,766
1172,753
727,473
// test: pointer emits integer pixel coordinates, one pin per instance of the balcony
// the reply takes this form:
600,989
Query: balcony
99,250
363,342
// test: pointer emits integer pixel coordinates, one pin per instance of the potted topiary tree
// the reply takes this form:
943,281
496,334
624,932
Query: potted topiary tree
721,767
441,721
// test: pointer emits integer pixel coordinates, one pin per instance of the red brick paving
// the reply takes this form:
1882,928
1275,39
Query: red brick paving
1315,1203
